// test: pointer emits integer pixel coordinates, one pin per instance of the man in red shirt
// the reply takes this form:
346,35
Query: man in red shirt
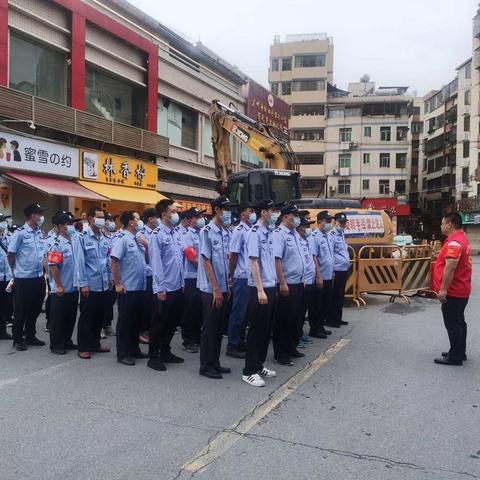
452,281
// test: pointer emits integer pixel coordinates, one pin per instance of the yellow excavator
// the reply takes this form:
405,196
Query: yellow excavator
279,180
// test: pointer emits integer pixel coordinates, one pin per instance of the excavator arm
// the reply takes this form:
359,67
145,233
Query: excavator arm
270,144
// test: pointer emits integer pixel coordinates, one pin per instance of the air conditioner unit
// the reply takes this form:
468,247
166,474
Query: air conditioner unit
353,144
345,171
446,170
332,188
345,145
335,172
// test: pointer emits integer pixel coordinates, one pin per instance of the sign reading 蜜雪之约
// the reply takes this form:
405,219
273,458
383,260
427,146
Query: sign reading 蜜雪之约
18,152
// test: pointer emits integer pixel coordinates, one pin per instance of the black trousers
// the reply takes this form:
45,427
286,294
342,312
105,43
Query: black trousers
260,323
212,331
63,315
5,306
289,316
130,315
148,306
48,308
338,295
92,313
324,304
164,322
454,318
28,298
310,305
192,315
111,298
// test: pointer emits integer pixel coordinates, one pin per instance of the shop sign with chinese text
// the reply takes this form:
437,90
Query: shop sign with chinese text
104,167
38,156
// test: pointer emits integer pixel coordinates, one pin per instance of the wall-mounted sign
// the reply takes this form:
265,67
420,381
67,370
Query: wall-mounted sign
364,224
33,155
5,196
104,167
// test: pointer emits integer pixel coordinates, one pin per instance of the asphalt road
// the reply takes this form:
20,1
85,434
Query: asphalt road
369,403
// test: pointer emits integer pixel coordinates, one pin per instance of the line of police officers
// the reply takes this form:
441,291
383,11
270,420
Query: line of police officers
257,280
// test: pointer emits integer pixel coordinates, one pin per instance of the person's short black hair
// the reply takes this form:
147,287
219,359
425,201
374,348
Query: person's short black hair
149,213
93,210
126,216
162,206
3,141
454,219
14,143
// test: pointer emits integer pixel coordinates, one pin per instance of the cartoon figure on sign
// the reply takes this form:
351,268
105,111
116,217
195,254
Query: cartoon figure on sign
16,153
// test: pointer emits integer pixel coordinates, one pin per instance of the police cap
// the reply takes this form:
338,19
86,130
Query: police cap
193,212
341,217
221,202
62,217
324,215
33,208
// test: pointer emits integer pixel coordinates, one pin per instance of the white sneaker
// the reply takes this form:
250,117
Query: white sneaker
254,380
268,373
103,335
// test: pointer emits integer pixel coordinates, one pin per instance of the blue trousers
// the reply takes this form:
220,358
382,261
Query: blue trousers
237,323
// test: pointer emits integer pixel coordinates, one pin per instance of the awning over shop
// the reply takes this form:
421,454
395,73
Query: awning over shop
125,194
55,186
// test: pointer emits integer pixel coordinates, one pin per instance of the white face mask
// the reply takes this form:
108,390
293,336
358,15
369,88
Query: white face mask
200,223
99,222
139,225
70,229
40,221
3,226
308,232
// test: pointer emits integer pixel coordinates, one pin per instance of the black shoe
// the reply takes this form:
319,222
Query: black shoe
34,342
223,370
463,357
234,353
71,346
283,361
169,357
140,355
342,322
211,373
156,364
295,354
20,346
448,361
58,351
128,361
190,348
317,334
5,336
332,325
325,332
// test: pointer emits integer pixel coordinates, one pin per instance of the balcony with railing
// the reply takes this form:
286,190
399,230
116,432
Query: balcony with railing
470,204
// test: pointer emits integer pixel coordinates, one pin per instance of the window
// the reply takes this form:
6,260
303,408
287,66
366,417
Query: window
344,160
309,109
274,88
417,127
345,134
384,187
367,131
366,184
114,98
308,134
366,159
37,69
466,123
467,97
384,160
247,157
468,70
286,64
400,186
286,88
385,134
306,61
400,160
401,133
466,149
207,137
275,64
465,175
312,159
344,187
336,112
308,85
178,123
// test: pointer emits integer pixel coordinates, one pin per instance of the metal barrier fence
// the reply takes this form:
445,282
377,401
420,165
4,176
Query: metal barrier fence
351,288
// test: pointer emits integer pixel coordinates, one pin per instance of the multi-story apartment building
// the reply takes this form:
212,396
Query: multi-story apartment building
415,129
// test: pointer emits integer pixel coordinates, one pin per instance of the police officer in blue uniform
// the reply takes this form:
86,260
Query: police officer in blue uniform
50,238
165,260
290,268
240,291
323,251
214,287
25,257
128,270
341,260
262,285
5,277
181,229
63,283
192,315
95,280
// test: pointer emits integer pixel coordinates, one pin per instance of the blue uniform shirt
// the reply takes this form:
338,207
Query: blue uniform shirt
214,247
131,260
287,247
260,246
146,232
323,250
341,258
93,261
67,268
191,239
307,248
178,232
164,254
5,272
238,244
28,246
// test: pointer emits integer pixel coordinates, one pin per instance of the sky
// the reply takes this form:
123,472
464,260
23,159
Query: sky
415,43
